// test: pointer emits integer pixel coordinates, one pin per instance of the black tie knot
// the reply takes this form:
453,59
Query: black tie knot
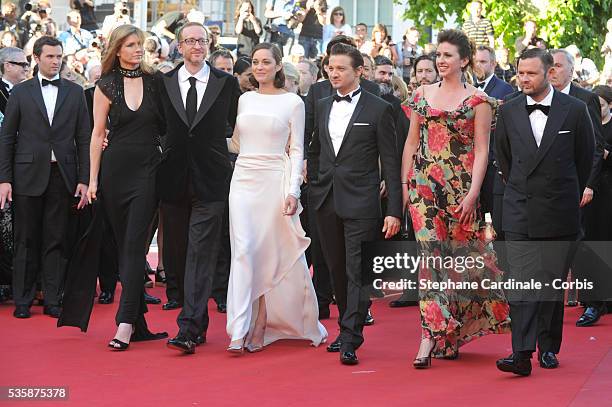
55,82
537,106
192,81
348,98
480,84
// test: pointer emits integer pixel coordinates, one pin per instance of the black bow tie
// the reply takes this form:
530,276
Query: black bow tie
537,106
480,84
55,82
348,98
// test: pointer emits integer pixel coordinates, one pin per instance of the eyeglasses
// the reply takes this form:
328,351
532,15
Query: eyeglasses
338,14
192,41
21,64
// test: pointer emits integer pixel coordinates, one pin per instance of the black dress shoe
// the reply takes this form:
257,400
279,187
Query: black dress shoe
369,319
106,297
548,360
222,308
349,358
52,310
172,304
160,279
334,346
521,367
401,303
22,311
590,316
200,339
182,344
149,299
324,312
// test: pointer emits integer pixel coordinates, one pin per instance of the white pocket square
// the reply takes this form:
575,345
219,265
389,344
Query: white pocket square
564,131
361,124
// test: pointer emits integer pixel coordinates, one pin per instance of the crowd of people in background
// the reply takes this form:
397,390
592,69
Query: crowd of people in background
305,32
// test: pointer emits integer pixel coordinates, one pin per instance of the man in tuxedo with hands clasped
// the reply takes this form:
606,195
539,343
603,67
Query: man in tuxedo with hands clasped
353,129
545,143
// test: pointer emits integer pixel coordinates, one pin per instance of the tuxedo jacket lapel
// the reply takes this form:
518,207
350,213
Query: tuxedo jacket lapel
490,86
174,93
62,93
213,88
520,117
325,130
556,118
38,98
356,112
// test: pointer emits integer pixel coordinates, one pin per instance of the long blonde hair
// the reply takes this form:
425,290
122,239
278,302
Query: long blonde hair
110,60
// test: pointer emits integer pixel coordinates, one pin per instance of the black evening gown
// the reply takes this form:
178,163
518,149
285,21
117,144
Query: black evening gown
127,201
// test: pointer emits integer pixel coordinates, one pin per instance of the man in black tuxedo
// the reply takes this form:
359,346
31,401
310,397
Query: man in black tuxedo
14,67
44,162
198,102
492,186
353,130
321,277
544,142
561,80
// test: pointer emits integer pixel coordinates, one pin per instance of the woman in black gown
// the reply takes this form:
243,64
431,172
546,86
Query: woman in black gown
123,181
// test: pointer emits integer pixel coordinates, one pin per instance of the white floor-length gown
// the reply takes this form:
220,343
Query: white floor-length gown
267,246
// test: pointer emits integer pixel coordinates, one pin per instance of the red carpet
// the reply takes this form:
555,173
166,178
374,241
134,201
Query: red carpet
287,373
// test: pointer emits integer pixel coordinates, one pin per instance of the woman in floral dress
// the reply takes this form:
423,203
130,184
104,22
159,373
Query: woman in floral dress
443,166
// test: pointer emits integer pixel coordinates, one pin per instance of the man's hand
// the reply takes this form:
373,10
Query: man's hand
6,194
81,191
391,226
587,197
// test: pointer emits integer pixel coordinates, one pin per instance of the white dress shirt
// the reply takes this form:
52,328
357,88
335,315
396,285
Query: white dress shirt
537,118
567,88
49,94
486,82
9,86
339,118
202,81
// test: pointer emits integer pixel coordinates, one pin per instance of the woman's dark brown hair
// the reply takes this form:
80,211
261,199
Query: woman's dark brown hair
337,10
279,78
460,40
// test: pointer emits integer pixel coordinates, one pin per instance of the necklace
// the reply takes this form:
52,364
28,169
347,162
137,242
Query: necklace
130,73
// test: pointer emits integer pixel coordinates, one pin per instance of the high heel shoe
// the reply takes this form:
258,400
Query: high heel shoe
122,345
256,348
424,362
237,349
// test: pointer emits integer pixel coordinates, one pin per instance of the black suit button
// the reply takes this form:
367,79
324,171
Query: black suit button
547,177
336,164
529,196
519,161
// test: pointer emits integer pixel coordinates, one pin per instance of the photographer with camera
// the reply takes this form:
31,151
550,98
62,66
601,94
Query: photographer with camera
313,19
9,22
88,17
121,16
74,38
278,14
248,28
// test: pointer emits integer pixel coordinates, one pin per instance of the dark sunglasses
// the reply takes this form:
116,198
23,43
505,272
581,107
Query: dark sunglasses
21,64
338,14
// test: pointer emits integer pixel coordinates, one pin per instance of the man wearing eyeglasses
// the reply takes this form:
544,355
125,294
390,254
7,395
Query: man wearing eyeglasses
198,101
14,67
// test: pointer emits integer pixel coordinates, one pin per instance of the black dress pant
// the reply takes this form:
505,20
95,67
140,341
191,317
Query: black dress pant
321,276
533,314
222,271
205,224
175,217
341,240
40,225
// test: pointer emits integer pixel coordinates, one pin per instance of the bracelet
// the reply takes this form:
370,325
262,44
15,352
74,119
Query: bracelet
405,182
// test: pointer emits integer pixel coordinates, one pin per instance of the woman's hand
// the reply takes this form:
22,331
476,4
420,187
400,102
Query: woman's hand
467,208
92,191
290,205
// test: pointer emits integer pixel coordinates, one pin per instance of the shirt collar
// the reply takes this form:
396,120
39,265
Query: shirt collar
351,92
9,84
201,75
547,101
486,81
40,78
566,89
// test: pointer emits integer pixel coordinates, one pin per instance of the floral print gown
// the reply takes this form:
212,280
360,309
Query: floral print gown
440,178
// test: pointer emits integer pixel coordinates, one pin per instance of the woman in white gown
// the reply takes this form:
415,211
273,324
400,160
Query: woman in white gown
270,294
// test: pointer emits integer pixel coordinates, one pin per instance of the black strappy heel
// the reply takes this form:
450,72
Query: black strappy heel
122,345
